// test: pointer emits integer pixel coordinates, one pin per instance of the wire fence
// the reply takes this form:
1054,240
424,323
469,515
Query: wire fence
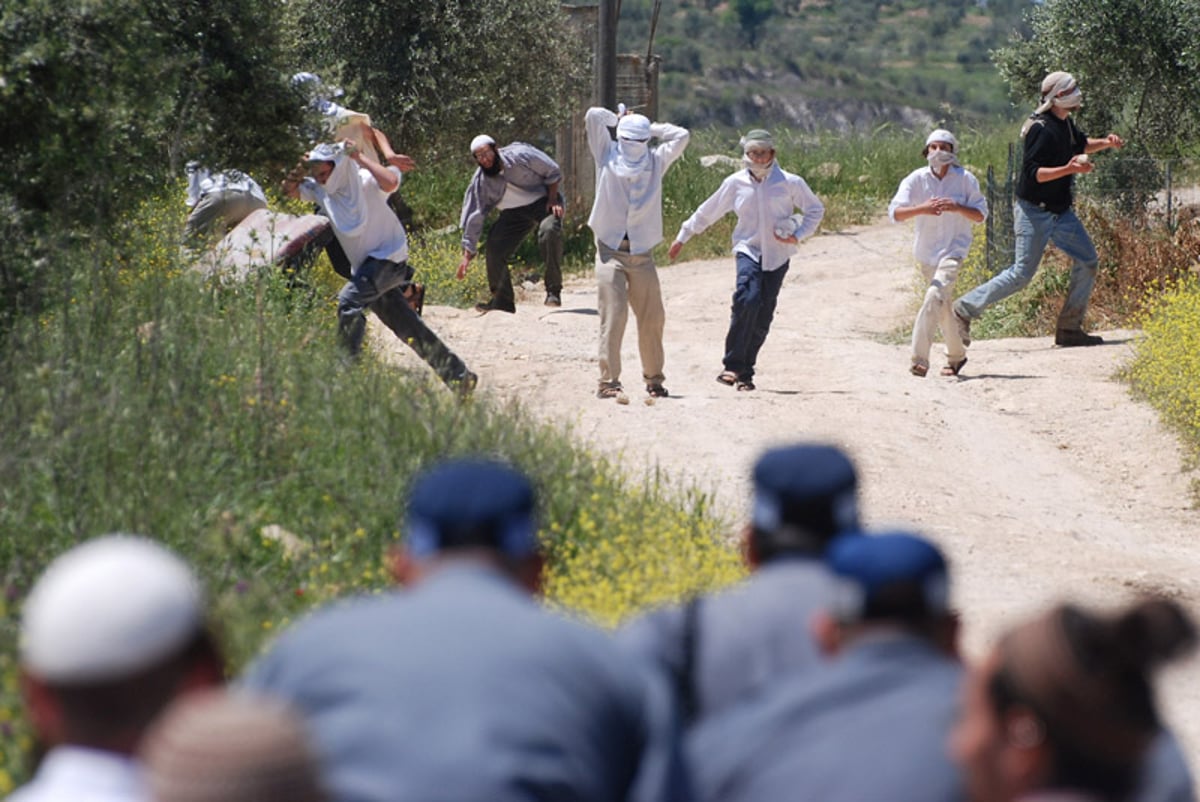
1150,192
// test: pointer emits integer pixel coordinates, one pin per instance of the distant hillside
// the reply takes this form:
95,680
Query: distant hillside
826,64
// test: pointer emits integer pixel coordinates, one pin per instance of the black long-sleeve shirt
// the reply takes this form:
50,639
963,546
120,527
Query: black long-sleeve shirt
1050,142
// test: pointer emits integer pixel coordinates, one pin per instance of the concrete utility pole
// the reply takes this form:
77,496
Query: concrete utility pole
606,53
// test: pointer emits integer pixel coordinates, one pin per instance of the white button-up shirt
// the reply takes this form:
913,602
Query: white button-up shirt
630,207
941,236
378,233
84,775
760,207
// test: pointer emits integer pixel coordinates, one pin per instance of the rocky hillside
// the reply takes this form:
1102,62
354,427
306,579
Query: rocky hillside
826,64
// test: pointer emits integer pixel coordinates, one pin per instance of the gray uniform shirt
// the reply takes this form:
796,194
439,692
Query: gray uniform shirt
742,639
524,166
463,688
870,725
1166,776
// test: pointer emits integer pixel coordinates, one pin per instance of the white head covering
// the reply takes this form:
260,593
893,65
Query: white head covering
481,140
633,145
341,196
1052,84
108,609
633,126
941,158
325,152
942,135
314,88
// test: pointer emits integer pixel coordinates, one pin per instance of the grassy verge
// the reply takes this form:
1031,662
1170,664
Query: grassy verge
223,420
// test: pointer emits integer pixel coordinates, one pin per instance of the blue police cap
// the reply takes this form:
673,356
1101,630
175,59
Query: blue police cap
890,575
810,488
471,503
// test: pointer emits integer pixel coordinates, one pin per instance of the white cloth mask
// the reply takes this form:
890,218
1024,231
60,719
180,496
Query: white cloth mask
1071,101
632,157
759,171
941,158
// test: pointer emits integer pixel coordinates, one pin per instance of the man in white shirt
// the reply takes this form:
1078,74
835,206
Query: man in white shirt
627,222
352,190
945,200
331,122
764,198
111,633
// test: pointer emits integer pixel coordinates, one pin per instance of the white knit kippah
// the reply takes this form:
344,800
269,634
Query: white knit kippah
481,140
108,609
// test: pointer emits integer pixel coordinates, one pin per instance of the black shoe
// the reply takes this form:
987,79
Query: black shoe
1070,338
553,299
495,306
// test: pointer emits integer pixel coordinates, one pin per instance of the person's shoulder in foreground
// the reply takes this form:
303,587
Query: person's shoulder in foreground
463,668
885,700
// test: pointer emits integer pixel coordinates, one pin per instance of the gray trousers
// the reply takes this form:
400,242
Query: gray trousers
216,213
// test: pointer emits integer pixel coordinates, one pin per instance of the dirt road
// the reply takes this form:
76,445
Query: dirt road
1035,470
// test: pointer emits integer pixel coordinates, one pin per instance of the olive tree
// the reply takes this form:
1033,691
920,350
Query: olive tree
1138,62
101,100
433,73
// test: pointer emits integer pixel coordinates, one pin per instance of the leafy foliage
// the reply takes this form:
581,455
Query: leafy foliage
1137,61
433,73
103,99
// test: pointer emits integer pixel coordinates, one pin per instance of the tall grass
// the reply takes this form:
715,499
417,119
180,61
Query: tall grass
223,420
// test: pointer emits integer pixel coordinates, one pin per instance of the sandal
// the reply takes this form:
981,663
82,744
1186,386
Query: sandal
727,377
609,390
953,368
745,385
918,369
657,391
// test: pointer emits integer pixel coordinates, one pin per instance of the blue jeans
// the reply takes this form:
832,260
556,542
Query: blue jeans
377,285
1035,227
753,310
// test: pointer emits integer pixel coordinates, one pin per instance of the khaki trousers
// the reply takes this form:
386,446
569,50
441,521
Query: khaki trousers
937,312
629,281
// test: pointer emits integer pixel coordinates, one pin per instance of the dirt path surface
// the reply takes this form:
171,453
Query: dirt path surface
1035,470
